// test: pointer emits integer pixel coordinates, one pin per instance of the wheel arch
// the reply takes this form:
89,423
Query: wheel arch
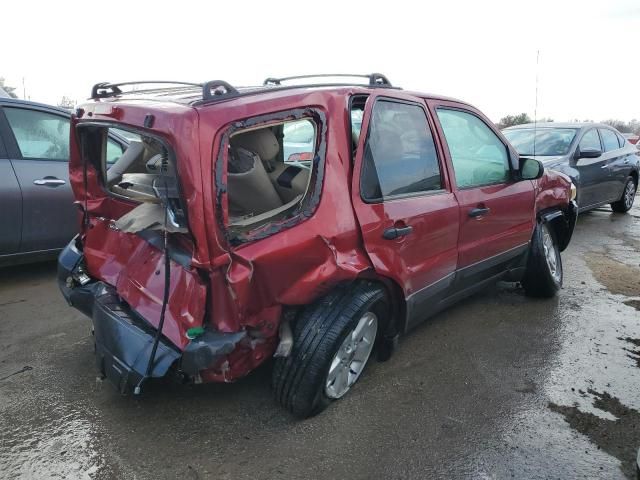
396,298
561,221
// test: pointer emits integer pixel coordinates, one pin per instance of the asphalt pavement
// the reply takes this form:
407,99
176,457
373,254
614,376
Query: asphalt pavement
499,386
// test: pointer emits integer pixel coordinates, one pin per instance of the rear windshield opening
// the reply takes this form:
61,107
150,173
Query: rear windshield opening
134,166
268,172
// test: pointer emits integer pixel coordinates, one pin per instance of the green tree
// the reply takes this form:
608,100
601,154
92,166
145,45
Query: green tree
511,120
10,90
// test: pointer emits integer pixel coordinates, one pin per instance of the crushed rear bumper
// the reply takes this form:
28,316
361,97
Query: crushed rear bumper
123,339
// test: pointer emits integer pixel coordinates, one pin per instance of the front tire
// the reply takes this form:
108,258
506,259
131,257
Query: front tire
628,196
333,340
543,275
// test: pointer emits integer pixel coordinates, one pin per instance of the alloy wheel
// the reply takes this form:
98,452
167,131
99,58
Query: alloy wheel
350,359
629,194
550,254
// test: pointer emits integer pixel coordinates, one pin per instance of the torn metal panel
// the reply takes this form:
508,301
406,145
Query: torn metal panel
134,266
147,216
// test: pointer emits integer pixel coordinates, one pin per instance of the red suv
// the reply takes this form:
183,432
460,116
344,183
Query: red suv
312,223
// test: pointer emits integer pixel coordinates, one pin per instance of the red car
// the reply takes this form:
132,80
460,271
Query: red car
203,251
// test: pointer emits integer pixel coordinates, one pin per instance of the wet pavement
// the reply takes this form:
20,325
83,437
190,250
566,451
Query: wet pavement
500,386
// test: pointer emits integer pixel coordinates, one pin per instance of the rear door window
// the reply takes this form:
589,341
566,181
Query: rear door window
609,139
400,155
40,135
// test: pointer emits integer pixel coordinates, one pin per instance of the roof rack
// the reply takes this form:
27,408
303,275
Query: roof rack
375,79
216,90
213,89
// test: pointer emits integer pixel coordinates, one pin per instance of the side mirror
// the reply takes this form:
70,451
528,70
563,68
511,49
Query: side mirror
530,168
589,153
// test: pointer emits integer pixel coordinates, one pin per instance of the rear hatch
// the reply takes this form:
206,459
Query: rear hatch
130,196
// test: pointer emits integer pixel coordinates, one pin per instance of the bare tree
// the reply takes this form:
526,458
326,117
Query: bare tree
9,90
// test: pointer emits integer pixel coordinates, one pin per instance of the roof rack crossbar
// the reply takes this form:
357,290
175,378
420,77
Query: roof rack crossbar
106,89
375,79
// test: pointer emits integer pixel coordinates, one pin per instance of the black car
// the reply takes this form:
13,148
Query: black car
37,214
603,165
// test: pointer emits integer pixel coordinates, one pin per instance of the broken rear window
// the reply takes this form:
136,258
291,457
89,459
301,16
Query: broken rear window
270,172
138,167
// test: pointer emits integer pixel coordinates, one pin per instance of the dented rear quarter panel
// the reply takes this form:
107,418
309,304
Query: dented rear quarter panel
294,265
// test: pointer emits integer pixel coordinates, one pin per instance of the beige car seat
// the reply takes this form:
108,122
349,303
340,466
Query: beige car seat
249,187
264,183
133,154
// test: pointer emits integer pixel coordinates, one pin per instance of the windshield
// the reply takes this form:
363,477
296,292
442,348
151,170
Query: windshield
548,141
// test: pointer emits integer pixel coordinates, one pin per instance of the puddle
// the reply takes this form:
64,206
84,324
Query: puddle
618,278
59,445
619,438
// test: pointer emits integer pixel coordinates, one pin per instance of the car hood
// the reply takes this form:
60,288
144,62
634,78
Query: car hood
548,159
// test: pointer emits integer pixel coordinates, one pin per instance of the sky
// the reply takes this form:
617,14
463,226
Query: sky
584,54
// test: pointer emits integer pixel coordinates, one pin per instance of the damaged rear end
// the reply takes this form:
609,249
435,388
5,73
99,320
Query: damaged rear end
137,267
209,235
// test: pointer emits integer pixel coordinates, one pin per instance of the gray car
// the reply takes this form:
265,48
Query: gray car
37,216
603,165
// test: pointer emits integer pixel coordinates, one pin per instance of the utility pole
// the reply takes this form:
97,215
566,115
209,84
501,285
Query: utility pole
24,90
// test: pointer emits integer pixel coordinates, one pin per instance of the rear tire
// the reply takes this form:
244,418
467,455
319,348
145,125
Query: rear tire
332,337
628,196
543,275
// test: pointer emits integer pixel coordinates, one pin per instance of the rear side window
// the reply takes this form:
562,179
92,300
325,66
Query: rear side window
621,140
271,173
478,155
609,139
590,141
400,155
39,135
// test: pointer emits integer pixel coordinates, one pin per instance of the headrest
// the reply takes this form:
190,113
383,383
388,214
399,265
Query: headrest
262,141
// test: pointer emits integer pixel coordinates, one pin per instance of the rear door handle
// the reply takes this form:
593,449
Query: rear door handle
478,212
49,182
395,232
604,166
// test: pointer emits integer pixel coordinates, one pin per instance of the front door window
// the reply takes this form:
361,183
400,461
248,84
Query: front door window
478,156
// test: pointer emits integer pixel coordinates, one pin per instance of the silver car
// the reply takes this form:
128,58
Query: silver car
38,217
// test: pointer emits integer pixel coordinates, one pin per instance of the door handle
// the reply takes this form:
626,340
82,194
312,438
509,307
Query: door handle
49,182
479,212
604,166
395,232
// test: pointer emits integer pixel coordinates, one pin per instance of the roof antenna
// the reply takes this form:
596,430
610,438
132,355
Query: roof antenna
535,110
